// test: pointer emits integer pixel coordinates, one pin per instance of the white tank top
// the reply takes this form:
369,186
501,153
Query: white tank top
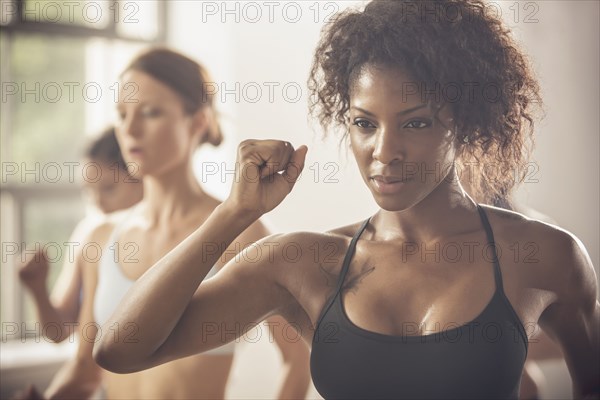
113,284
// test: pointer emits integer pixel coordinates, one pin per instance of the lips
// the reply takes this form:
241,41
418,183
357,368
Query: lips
135,150
388,184
388,178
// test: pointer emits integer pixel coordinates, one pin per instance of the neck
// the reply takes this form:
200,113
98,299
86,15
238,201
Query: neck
446,211
172,195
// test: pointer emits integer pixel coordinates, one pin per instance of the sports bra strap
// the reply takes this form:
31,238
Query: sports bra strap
349,255
492,244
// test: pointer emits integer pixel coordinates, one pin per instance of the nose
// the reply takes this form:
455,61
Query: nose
131,126
388,146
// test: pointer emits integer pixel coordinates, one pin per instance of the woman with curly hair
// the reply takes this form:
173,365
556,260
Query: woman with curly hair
424,299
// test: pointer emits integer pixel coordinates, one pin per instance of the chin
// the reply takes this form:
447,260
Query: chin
138,173
393,203
398,202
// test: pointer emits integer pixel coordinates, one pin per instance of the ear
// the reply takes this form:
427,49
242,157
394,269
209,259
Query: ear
200,122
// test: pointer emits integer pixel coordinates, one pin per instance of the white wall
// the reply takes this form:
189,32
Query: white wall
259,55
563,46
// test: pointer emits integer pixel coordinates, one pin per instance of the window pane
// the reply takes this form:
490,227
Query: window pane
9,249
92,14
5,114
49,222
47,104
138,19
8,11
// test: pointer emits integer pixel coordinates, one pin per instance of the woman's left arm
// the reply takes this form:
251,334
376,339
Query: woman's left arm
573,319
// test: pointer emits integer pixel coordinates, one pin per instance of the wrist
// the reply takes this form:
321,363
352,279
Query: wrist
229,209
37,289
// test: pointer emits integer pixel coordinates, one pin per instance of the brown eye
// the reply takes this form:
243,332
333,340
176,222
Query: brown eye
418,124
151,112
363,124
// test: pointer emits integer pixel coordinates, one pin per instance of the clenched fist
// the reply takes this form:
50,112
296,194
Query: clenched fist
33,270
266,172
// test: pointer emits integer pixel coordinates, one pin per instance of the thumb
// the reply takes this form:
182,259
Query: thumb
295,166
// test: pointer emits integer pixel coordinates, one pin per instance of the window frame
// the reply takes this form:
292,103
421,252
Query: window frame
16,196
18,24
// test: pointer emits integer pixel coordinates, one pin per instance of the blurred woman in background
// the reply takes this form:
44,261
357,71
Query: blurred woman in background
158,133
111,190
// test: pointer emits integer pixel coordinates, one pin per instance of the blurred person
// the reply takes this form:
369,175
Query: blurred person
158,133
111,190
387,320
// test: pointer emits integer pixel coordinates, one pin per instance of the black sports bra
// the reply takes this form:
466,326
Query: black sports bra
482,359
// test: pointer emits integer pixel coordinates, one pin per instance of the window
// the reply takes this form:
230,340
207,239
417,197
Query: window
59,66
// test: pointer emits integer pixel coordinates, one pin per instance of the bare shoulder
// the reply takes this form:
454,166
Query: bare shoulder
99,232
298,260
97,235
305,264
299,269
322,251
304,249
555,242
560,252
347,231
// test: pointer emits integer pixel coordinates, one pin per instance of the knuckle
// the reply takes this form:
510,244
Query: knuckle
245,147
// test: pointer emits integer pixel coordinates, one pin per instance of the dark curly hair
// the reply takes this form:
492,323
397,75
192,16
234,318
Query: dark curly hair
106,148
441,44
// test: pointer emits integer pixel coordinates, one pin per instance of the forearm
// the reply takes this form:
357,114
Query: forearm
66,296
77,379
157,300
52,320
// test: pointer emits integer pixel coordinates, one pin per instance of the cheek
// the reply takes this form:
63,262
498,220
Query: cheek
361,149
434,162
163,142
172,134
160,129
438,148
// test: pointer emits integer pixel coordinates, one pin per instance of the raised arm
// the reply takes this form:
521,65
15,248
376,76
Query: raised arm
62,309
173,316
573,320
67,292
63,306
80,377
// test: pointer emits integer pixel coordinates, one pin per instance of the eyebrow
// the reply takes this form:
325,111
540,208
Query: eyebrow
404,112
139,103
